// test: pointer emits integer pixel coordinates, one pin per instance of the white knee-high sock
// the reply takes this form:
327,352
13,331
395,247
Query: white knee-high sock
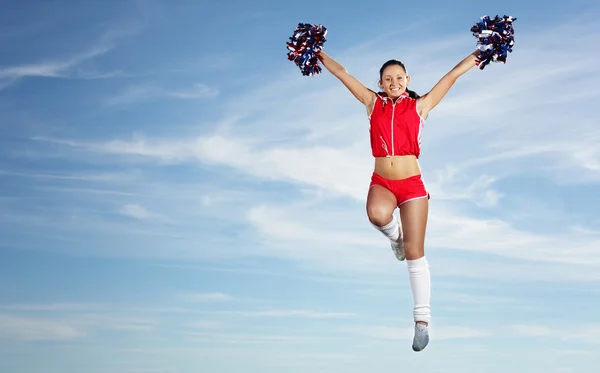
420,282
390,230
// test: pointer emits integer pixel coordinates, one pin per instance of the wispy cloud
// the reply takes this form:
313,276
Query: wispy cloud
589,334
36,329
163,151
71,66
344,248
51,307
474,299
453,332
115,322
208,297
207,324
278,313
54,322
441,333
533,330
238,338
152,92
137,212
52,69
91,177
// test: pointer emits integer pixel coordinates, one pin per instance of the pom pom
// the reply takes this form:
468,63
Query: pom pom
304,45
495,39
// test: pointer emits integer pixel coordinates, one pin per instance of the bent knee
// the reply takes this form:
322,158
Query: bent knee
379,216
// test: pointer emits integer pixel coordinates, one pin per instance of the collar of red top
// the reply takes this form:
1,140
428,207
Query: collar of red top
385,98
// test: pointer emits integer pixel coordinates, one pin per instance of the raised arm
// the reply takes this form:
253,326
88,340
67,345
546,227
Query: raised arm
362,93
430,100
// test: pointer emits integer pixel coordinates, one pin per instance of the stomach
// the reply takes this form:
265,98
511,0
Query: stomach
397,167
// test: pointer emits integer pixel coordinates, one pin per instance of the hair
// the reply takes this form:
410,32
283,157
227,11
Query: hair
392,62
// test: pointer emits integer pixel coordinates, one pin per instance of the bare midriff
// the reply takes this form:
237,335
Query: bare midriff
397,167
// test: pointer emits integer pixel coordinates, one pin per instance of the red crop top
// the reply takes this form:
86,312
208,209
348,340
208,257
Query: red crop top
395,127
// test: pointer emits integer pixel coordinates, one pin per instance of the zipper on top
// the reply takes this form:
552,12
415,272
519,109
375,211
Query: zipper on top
392,125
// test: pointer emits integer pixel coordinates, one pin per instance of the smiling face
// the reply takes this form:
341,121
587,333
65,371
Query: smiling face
393,78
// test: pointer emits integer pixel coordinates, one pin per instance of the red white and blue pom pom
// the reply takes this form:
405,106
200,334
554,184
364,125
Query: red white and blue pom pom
304,46
495,39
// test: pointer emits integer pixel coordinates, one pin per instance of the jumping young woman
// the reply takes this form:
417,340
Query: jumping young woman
396,116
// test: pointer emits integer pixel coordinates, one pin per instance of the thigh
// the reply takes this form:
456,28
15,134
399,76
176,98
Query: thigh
381,204
413,215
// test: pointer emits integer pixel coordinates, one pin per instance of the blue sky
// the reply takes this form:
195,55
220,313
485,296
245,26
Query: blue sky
176,197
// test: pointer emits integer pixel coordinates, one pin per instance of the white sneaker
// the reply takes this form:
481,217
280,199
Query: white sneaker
398,245
421,338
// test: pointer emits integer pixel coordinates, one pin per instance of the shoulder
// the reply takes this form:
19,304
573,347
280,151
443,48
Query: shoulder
410,102
376,96
420,108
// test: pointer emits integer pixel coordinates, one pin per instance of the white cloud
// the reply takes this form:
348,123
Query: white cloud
439,333
453,332
312,241
302,313
114,322
65,321
587,334
474,300
239,338
351,244
52,69
207,324
136,212
276,313
533,330
51,307
150,92
72,66
84,177
305,166
162,151
36,329
208,297
197,91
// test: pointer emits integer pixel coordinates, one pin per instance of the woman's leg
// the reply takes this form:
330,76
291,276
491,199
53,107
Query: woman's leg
381,204
413,215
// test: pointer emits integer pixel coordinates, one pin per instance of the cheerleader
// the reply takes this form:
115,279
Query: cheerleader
396,117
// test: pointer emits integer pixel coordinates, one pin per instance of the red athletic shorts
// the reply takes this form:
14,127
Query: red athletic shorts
404,189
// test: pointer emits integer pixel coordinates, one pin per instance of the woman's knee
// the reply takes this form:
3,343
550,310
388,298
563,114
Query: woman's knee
381,204
413,249
378,214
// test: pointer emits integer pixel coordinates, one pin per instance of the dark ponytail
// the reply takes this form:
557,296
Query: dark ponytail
411,93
